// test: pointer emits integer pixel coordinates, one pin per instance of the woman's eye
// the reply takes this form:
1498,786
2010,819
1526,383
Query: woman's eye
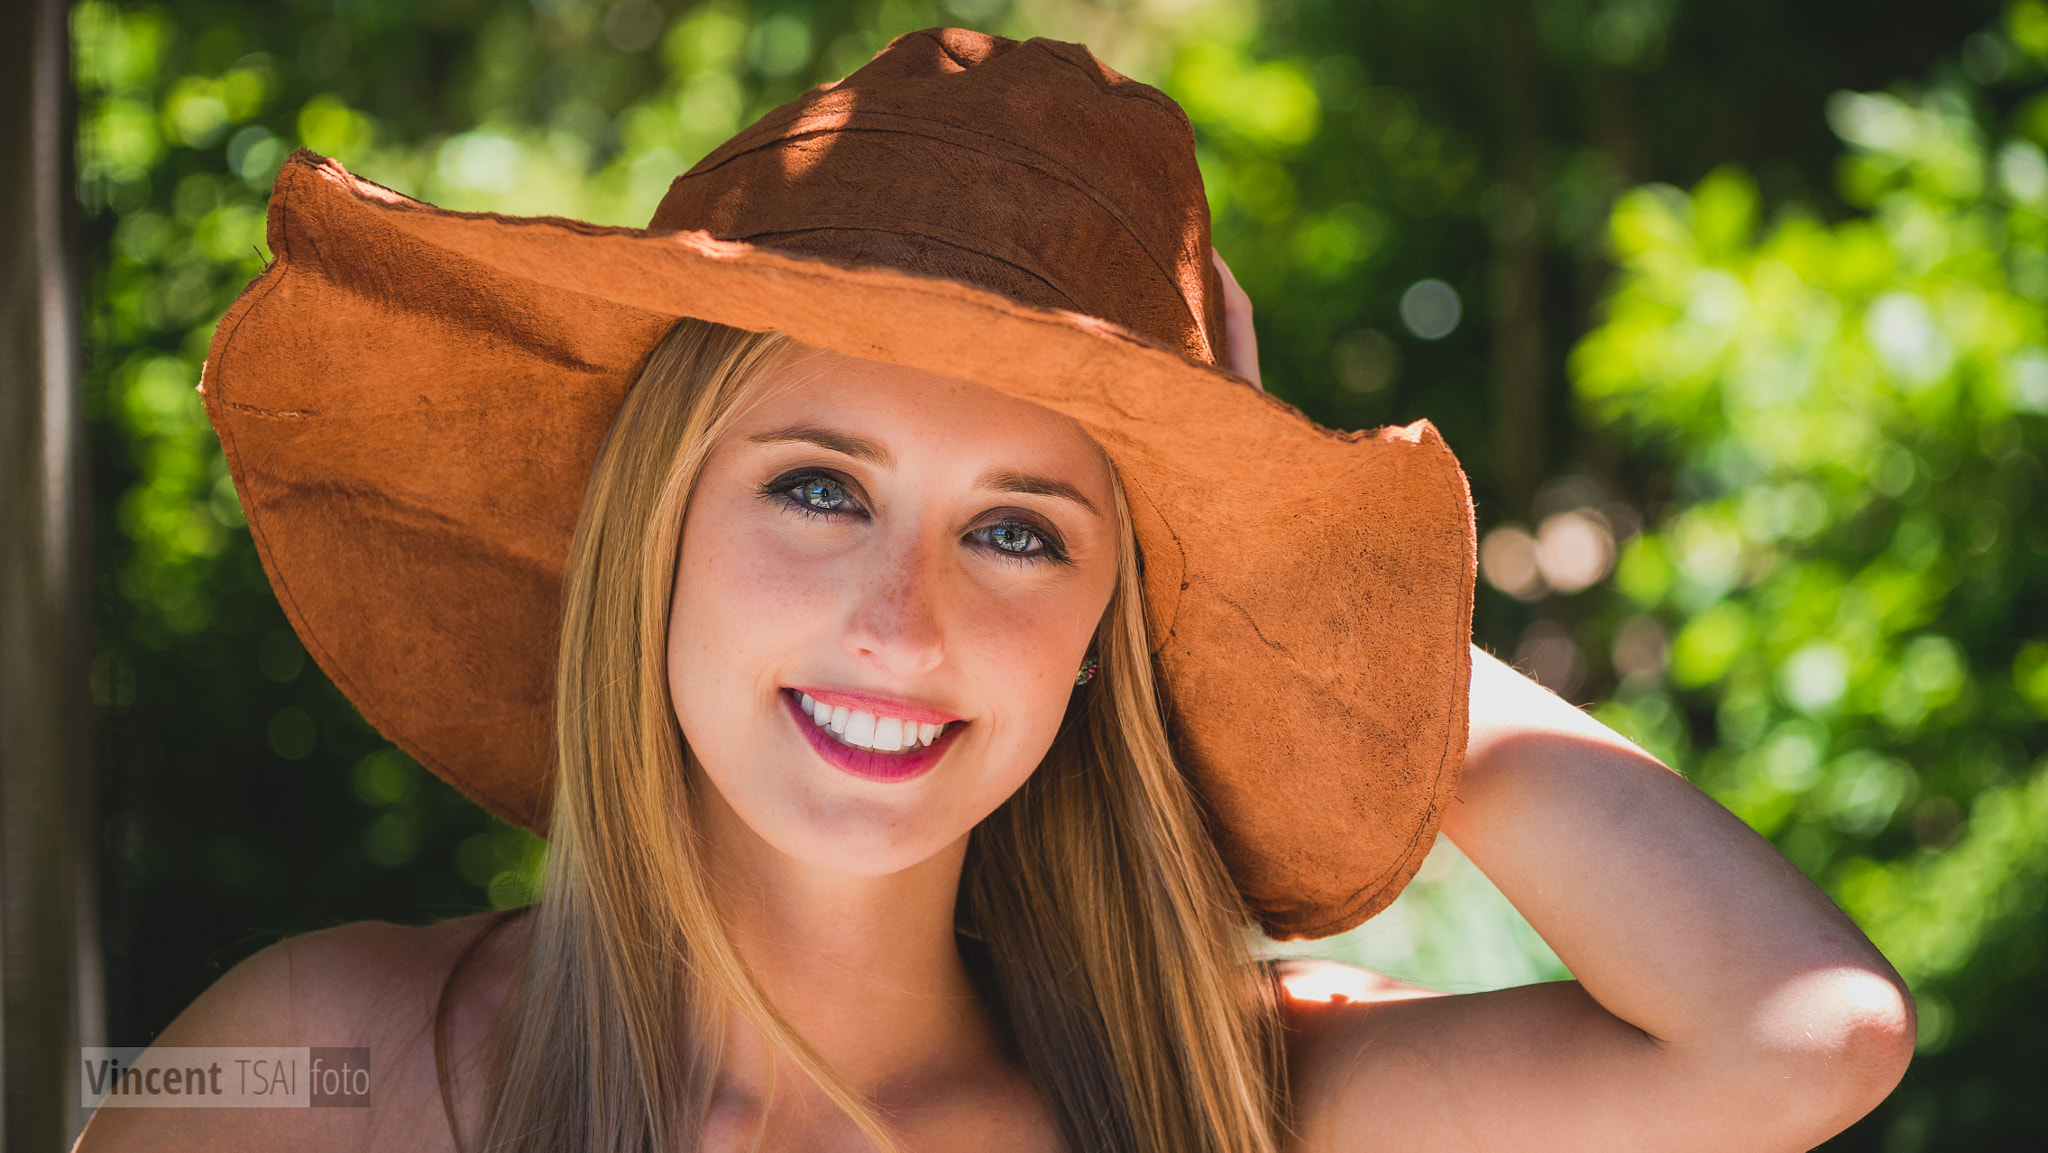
821,493
813,493
1014,539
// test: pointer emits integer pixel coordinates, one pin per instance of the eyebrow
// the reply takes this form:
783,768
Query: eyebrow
857,447
1004,480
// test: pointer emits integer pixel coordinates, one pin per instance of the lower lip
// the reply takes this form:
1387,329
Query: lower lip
866,763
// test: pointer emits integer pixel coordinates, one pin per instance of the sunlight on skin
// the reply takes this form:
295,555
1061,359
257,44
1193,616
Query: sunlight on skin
1332,982
1857,1002
893,595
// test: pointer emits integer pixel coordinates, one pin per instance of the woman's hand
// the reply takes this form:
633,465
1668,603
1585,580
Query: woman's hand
1722,1001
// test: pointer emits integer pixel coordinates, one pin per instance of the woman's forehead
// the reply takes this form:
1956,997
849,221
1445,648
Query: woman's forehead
909,410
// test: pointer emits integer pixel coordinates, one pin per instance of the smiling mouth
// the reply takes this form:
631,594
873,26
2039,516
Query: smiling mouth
855,729
917,748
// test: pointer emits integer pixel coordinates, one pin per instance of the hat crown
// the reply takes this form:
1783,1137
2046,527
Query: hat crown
1028,168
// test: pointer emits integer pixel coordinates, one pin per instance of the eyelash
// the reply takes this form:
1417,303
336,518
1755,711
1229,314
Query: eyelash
782,490
1051,551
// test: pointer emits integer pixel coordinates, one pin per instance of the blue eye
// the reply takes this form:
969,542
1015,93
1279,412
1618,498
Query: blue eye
1015,539
1021,541
813,494
821,493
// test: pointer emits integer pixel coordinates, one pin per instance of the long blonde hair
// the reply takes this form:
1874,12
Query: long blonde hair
1092,903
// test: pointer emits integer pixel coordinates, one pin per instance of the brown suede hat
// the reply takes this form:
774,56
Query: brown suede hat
411,400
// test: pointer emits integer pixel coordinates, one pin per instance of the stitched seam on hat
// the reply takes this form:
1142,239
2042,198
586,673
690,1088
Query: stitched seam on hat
954,239
771,125
1047,165
1139,89
787,132
287,413
916,283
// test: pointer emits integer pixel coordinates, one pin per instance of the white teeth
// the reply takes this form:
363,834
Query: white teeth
866,730
888,735
860,730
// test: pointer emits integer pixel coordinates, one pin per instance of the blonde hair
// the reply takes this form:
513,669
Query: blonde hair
1102,923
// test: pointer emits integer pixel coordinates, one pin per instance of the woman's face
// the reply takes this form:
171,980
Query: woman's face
918,561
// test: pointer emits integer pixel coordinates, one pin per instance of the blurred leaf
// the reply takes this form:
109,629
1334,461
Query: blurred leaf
1855,408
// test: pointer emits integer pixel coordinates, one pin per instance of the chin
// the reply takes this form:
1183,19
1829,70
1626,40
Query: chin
857,848
826,820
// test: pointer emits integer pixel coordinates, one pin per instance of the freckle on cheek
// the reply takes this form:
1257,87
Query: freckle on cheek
769,581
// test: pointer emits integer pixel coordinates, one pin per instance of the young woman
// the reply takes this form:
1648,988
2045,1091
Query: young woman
942,686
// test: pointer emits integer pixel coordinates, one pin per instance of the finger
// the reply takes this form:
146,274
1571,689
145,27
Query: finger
1239,335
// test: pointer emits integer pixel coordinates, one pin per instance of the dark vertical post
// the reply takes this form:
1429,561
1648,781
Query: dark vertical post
1518,365
48,965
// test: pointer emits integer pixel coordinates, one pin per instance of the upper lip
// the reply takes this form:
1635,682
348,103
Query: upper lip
878,705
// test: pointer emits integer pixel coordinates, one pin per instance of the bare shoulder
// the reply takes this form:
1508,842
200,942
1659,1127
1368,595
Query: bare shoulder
350,982
368,985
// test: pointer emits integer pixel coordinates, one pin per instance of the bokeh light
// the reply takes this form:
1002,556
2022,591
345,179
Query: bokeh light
1551,655
1366,361
1574,550
1508,560
1431,309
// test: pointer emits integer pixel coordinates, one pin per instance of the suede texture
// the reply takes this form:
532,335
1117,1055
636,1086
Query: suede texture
410,401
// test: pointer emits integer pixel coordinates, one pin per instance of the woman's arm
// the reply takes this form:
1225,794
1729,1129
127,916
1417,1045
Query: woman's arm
1722,1001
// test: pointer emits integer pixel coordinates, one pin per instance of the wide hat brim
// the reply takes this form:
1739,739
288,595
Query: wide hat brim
410,401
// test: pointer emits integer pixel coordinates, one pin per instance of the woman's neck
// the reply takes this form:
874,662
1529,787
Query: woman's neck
865,969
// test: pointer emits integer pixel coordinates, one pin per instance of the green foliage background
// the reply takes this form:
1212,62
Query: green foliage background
1759,284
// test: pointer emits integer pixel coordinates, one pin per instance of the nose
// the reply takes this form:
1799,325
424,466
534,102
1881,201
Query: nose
895,627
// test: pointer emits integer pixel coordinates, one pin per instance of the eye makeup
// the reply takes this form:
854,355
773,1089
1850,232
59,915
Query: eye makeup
1016,535
815,492
1010,534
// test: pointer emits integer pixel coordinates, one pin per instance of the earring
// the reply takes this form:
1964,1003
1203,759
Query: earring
1089,668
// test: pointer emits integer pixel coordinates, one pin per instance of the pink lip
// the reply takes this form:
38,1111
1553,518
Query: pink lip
863,763
879,706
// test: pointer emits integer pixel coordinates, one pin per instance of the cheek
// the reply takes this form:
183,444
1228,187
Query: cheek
735,607
1024,654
